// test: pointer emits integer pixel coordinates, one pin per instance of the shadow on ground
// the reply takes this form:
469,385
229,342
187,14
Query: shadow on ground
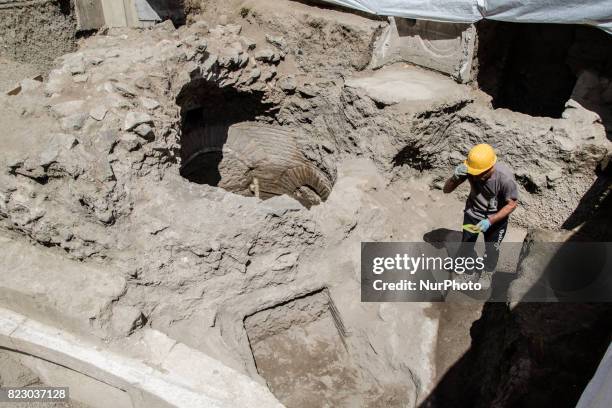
533,354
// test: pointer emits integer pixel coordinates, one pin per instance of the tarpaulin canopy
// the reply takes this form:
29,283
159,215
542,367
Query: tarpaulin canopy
593,12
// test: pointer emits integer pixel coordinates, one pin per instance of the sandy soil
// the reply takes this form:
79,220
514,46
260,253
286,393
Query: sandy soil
11,72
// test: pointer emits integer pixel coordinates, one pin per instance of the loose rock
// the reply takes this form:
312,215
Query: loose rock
134,119
98,113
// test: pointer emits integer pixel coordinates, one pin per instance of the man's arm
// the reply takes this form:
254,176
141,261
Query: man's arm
504,212
510,192
452,183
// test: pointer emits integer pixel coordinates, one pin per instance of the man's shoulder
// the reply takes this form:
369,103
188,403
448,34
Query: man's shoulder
505,176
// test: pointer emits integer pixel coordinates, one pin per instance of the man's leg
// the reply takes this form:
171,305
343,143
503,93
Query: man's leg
468,240
493,239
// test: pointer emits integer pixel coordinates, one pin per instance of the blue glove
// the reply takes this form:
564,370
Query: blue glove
461,171
484,225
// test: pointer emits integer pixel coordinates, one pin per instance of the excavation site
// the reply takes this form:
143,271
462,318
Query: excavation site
305,204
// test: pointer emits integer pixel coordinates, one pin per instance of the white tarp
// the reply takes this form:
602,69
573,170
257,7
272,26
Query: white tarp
593,12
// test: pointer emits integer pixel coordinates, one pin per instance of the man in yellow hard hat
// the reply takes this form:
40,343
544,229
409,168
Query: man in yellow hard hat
493,196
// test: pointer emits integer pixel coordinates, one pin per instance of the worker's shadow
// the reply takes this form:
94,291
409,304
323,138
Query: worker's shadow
444,238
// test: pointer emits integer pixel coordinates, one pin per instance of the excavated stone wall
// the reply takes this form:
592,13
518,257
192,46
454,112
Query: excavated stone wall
97,175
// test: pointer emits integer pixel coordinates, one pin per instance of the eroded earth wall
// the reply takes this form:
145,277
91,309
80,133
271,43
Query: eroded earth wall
92,176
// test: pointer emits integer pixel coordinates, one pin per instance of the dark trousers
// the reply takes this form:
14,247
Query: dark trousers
493,238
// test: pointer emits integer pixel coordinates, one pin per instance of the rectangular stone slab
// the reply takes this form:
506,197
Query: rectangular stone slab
444,47
43,284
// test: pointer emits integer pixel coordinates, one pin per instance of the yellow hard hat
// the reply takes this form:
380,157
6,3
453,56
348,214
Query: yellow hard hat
480,159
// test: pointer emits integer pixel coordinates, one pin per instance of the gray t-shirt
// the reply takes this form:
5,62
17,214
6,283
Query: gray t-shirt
490,196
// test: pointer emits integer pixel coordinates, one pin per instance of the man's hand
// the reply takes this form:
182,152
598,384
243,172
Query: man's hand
461,171
484,225
459,176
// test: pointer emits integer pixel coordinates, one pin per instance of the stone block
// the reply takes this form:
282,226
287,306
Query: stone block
444,47
89,14
43,284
